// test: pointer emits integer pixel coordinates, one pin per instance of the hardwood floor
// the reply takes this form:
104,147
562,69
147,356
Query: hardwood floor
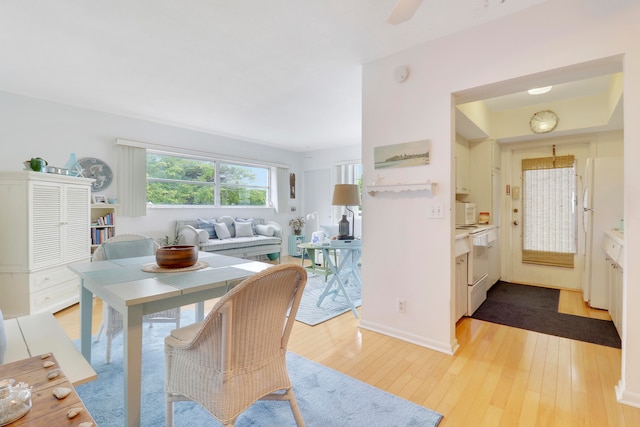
500,376
571,302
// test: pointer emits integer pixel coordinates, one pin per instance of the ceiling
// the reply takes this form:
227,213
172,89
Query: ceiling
285,73
575,89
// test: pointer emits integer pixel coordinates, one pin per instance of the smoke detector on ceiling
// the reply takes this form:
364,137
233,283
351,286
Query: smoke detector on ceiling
401,73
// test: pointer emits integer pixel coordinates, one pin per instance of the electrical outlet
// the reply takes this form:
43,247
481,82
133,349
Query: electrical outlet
402,306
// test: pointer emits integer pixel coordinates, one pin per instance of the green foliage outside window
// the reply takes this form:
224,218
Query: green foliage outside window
173,180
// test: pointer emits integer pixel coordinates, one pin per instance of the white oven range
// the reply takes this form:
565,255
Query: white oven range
481,240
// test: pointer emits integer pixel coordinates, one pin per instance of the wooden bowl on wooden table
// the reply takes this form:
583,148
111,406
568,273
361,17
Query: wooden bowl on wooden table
177,256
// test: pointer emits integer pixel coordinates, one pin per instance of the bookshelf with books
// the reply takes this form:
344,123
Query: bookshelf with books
103,223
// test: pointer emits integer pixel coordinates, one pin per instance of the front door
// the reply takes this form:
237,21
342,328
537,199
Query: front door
541,274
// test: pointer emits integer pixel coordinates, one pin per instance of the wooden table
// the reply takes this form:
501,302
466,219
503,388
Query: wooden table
46,409
123,285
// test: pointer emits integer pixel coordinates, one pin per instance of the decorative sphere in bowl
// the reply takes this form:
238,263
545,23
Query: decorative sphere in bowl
177,256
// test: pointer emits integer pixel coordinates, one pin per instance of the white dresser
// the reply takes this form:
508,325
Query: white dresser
44,226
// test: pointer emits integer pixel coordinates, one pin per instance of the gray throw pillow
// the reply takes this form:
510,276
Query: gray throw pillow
222,230
243,229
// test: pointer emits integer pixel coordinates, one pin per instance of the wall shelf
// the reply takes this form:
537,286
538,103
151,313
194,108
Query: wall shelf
425,186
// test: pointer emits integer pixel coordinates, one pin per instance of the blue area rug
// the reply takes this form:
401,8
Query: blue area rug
311,314
326,397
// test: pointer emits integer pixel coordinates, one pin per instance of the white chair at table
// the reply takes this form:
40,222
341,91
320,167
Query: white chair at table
237,355
126,246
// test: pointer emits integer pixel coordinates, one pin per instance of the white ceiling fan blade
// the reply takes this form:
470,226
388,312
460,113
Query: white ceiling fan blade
403,11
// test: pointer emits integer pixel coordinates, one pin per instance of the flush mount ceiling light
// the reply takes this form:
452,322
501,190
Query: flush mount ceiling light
539,90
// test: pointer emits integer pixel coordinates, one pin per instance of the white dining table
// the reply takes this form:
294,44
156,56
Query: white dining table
123,285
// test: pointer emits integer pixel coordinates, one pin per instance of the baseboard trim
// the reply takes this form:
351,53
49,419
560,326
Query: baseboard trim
626,397
446,348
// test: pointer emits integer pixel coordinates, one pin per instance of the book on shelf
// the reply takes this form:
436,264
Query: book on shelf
103,221
99,235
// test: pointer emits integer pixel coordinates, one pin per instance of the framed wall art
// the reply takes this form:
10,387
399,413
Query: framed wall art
416,153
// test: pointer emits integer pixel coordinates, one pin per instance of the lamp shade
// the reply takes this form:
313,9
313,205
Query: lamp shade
346,195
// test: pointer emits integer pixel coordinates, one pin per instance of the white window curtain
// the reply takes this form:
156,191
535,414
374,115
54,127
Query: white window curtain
132,180
132,174
549,211
281,189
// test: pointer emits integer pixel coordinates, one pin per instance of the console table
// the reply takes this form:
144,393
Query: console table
341,259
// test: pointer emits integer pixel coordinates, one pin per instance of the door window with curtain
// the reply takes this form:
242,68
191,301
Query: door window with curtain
549,211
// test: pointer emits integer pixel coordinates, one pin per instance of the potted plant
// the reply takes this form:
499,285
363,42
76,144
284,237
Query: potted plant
297,223
167,241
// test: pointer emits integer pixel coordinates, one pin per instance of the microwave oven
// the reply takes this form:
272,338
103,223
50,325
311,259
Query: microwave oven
466,213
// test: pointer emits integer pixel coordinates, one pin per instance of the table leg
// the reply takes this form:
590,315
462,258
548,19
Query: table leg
347,262
199,311
86,313
132,325
336,268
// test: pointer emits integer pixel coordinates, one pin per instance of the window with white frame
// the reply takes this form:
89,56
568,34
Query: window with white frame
174,180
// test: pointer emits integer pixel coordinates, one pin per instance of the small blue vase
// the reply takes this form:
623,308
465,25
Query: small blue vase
75,169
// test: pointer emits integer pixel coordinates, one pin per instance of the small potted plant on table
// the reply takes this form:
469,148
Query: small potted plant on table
297,224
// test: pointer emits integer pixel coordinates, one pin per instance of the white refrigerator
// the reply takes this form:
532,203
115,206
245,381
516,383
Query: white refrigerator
602,210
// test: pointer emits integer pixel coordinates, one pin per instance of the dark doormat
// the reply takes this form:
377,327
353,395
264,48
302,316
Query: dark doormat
536,309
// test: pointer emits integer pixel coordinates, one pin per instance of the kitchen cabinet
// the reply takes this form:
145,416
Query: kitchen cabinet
615,295
613,247
44,227
462,247
494,261
462,166
485,177
461,286
486,193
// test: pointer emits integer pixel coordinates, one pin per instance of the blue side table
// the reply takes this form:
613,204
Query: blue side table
294,241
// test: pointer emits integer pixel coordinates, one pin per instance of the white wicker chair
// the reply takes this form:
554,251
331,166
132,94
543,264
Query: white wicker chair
111,318
236,356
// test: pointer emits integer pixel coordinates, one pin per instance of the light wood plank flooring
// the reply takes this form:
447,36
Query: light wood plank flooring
501,376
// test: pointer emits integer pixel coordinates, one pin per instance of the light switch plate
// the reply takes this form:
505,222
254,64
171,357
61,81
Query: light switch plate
437,211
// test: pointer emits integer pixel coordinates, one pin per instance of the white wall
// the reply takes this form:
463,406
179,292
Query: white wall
397,233
38,128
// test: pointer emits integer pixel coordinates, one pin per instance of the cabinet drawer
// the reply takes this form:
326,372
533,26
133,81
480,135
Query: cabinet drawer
620,260
56,298
611,248
462,246
50,277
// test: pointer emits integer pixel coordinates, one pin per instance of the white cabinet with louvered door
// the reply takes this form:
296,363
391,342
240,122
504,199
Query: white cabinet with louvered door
43,228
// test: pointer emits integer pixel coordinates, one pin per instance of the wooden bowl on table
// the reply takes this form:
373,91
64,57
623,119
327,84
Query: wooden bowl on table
177,256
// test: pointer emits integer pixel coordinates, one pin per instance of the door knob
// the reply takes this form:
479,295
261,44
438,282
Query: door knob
516,222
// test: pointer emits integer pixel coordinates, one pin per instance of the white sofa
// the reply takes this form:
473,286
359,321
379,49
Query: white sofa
264,238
